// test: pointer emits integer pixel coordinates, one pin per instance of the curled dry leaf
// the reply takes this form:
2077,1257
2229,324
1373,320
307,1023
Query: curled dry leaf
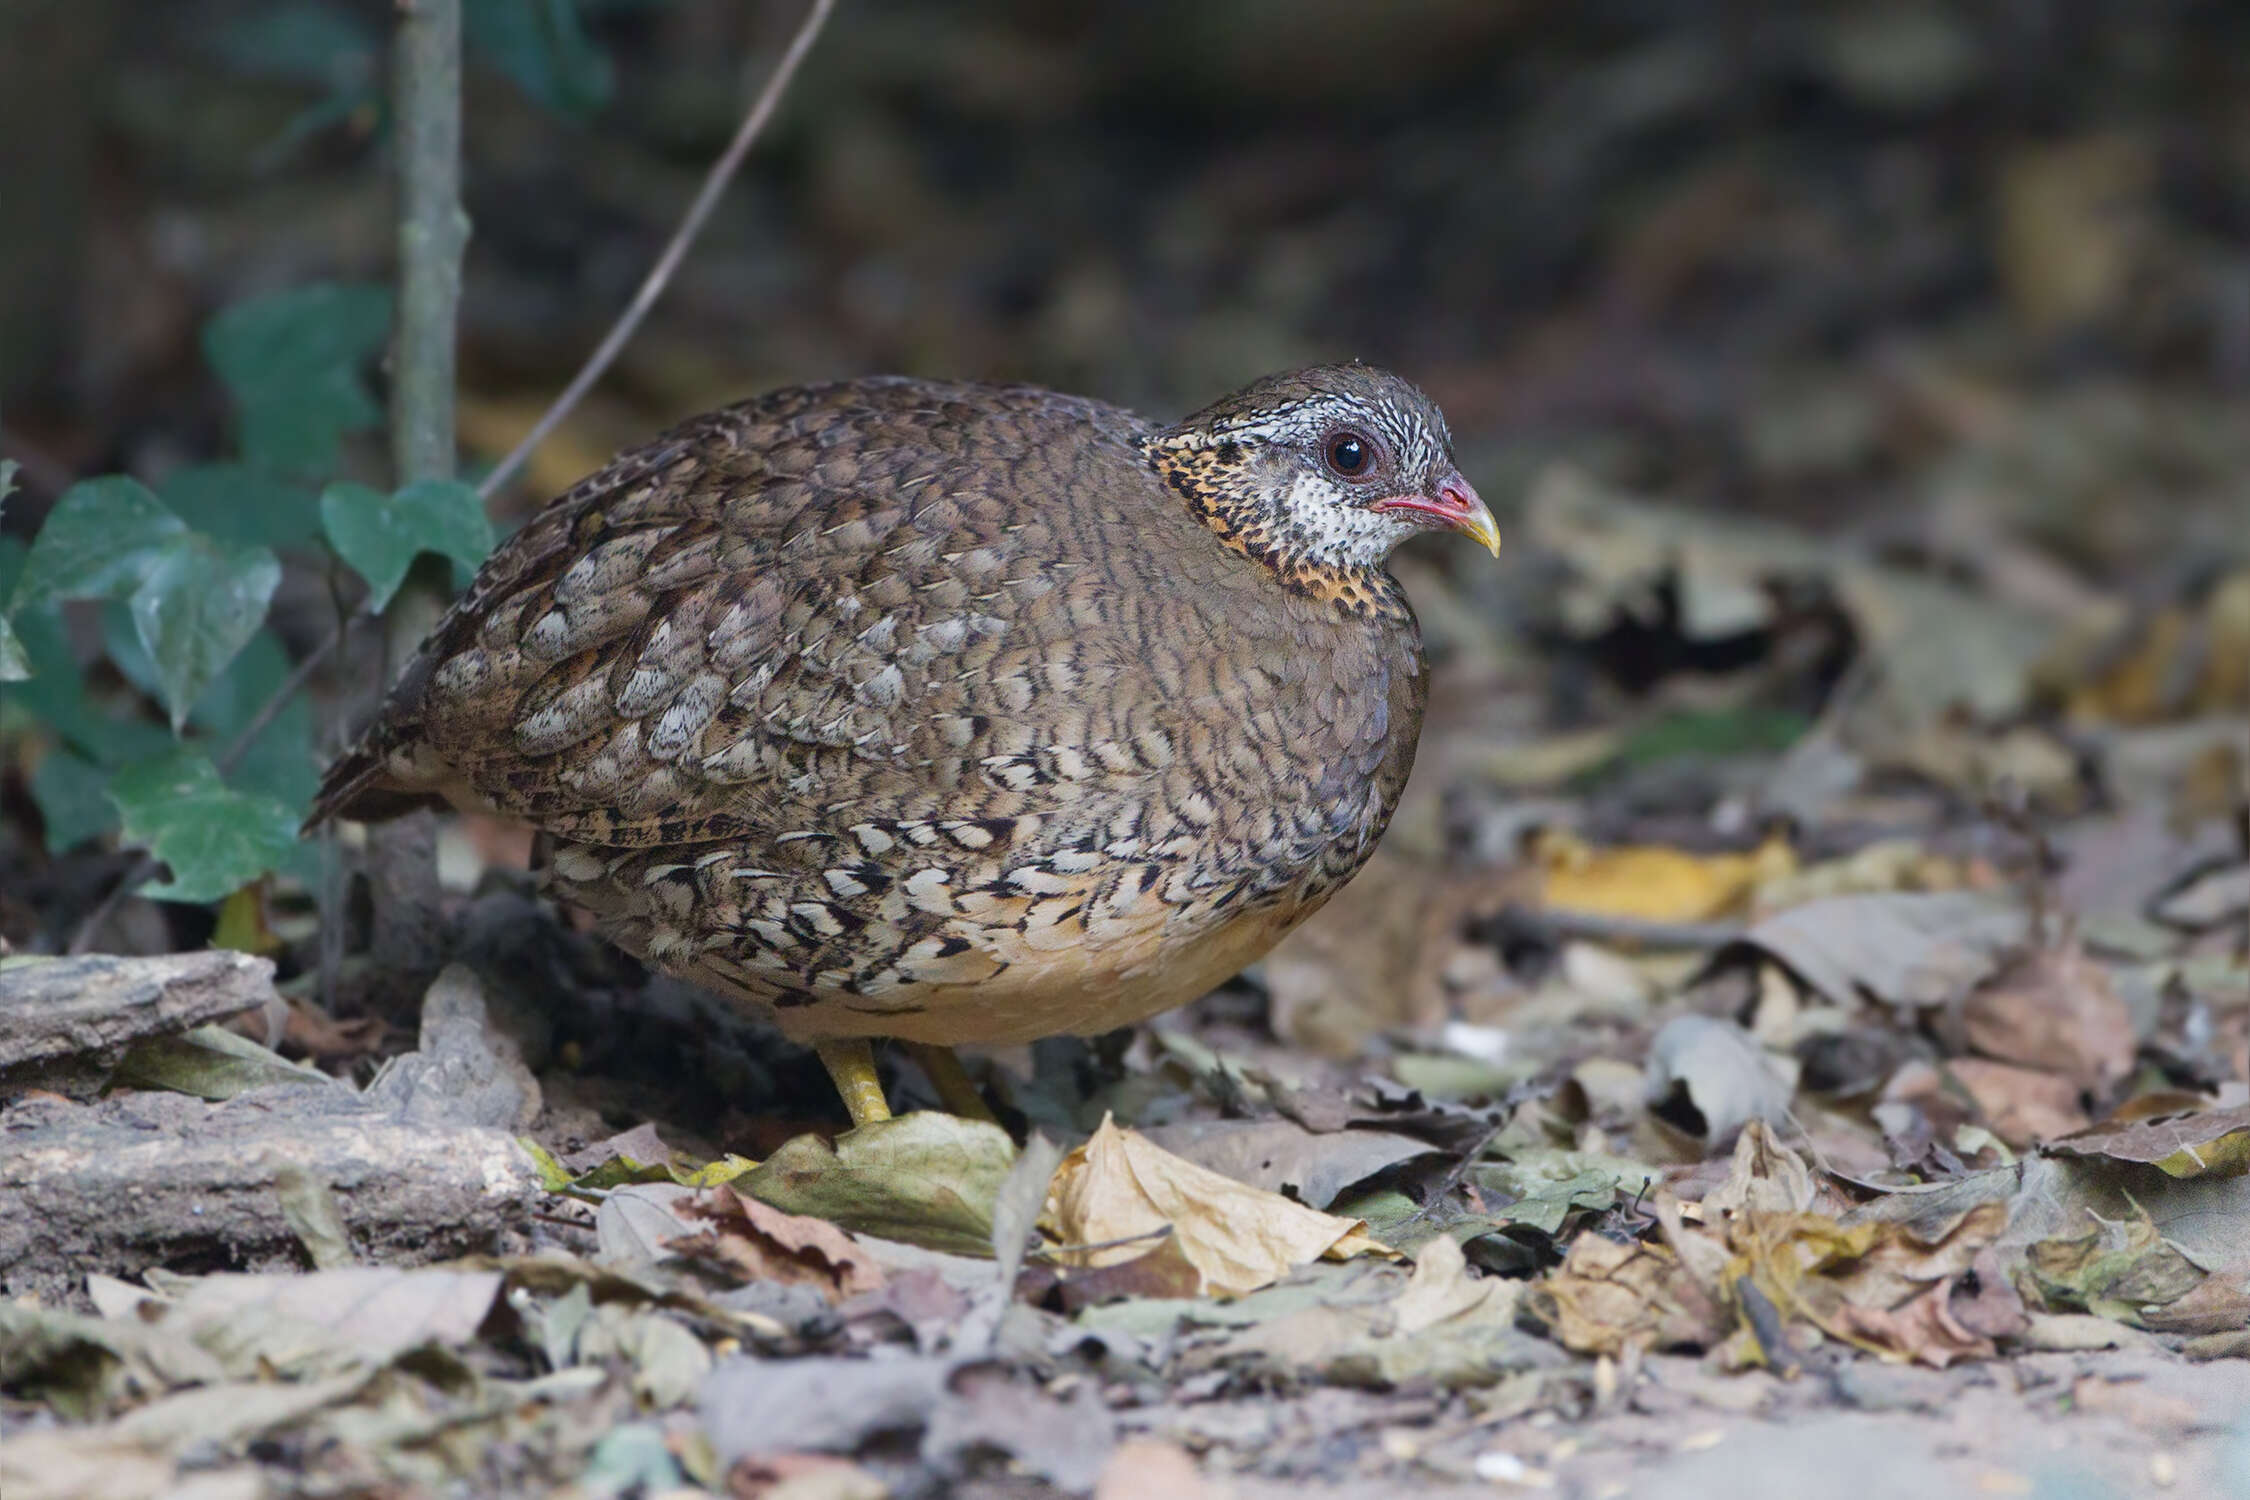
1121,1187
1711,1078
1899,947
766,1244
2055,1009
1607,1297
1314,1167
2213,1141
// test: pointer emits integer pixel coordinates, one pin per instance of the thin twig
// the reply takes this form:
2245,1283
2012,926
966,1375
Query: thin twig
660,275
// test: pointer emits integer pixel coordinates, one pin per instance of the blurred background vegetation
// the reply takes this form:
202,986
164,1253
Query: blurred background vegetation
1921,275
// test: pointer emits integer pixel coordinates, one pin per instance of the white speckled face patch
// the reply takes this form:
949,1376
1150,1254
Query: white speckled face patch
1335,527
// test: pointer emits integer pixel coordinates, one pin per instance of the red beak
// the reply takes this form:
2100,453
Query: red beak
1454,507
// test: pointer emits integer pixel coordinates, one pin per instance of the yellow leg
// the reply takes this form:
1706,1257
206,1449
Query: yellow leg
954,1090
851,1062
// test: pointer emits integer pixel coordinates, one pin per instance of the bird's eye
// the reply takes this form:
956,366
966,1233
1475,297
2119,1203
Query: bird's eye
1349,454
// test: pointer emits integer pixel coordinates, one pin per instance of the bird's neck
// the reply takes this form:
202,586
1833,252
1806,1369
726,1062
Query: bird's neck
1337,564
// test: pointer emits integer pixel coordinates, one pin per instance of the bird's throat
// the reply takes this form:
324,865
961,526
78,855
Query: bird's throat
1221,489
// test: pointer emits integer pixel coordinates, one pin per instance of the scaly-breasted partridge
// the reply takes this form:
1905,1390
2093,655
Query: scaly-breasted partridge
948,713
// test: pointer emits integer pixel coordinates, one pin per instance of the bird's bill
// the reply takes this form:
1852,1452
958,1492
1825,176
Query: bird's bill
1455,507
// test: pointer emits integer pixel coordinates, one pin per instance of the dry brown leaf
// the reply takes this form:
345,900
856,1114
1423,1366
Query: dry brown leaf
2189,658
1926,1328
2054,1009
314,1033
1162,1272
1120,1187
1441,1288
2183,1145
2023,1106
1764,1177
1652,882
1893,1287
766,1244
1904,948
1607,1297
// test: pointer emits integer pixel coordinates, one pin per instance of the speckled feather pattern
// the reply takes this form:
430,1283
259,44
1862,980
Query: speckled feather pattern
947,712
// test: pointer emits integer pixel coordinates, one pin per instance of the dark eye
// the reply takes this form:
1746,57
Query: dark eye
1349,454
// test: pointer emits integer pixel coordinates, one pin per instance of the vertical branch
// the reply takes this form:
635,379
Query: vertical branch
409,937
432,231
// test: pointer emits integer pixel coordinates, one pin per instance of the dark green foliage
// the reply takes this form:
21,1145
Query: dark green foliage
380,537
215,838
295,364
185,578
543,47
232,502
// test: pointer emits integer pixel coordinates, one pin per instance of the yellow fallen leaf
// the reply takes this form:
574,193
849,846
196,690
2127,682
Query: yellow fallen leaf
1652,882
1120,1186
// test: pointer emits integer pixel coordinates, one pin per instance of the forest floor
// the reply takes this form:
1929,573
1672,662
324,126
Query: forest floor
1794,1039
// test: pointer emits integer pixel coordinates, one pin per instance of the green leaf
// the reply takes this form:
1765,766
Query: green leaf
101,539
241,504
215,839
381,536
292,362
543,48
928,1179
72,794
198,608
209,1062
280,762
55,698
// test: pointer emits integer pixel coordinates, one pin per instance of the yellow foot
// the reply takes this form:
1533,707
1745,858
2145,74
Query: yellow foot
851,1062
951,1080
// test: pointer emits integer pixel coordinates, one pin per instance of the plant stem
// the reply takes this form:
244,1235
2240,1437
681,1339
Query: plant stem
432,232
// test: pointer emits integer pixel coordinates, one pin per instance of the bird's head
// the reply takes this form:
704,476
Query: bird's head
1321,472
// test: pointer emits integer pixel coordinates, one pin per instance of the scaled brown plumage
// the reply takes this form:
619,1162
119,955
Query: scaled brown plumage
950,713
